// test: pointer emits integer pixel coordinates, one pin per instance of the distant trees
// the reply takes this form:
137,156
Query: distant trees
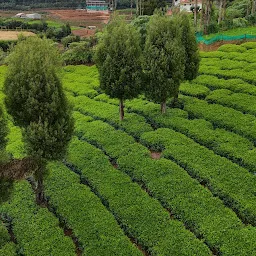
35,99
118,58
147,7
170,55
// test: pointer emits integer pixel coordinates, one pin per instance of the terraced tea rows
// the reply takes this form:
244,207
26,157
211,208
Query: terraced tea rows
111,196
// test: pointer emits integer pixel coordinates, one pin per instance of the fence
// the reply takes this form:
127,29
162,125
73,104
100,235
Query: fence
217,38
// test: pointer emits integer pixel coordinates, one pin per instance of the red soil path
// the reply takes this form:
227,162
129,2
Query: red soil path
80,15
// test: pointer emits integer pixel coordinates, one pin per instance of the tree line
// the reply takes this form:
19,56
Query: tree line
131,63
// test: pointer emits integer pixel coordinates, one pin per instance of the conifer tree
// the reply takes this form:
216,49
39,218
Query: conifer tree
35,99
118,58
164,59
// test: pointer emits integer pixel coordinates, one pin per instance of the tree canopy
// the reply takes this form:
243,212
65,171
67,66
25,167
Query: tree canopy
118,58
164,59
35,99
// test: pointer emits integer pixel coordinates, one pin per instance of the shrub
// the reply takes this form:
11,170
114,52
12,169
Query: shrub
232,48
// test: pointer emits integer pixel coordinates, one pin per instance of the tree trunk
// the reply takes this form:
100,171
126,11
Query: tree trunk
131,8
220,11
39,177
121,110
195,16
253,6
163,107
137,8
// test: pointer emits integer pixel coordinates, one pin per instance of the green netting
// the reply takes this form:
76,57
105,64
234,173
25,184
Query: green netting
217,38
97,8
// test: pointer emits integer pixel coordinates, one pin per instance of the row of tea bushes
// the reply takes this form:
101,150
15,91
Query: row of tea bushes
235,85
142,217
223,142
222,117
225,179
95,229
36,230
171,185
239,101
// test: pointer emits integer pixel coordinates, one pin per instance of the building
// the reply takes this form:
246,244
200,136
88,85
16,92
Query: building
96,5
188,5
33,16
20,15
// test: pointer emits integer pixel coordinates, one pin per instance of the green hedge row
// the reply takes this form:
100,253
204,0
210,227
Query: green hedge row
36,230
225,143
247,56
4,236
8,249
247,76
235,85
239,101
230,182
224,63
141,216
249,45
173,187
94,227
132,123
232,48
195,90
222,117
81,80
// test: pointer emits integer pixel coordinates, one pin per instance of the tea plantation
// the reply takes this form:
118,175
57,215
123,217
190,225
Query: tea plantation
112,196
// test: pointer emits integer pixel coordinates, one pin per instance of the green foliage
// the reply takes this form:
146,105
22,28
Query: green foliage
242,102
249,45
3,130
164,58
165,180
133,123
192,58
30,221
140,23
219,174
66,41
79,53
231,48
35,99
89,220
118,58
8,249
128,202
149,6
222,117
4,236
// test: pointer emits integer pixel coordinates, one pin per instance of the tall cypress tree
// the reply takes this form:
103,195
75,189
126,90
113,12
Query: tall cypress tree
192,57
164,59
118,58
35,99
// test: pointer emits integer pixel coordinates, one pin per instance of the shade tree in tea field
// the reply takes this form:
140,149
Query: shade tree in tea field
164,54
118,58
36,101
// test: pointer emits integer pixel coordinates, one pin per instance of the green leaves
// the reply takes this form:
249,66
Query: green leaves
35,98
164,58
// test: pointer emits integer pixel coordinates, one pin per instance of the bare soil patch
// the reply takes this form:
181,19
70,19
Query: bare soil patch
13,35
155,155
215,46
84,32
80,17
